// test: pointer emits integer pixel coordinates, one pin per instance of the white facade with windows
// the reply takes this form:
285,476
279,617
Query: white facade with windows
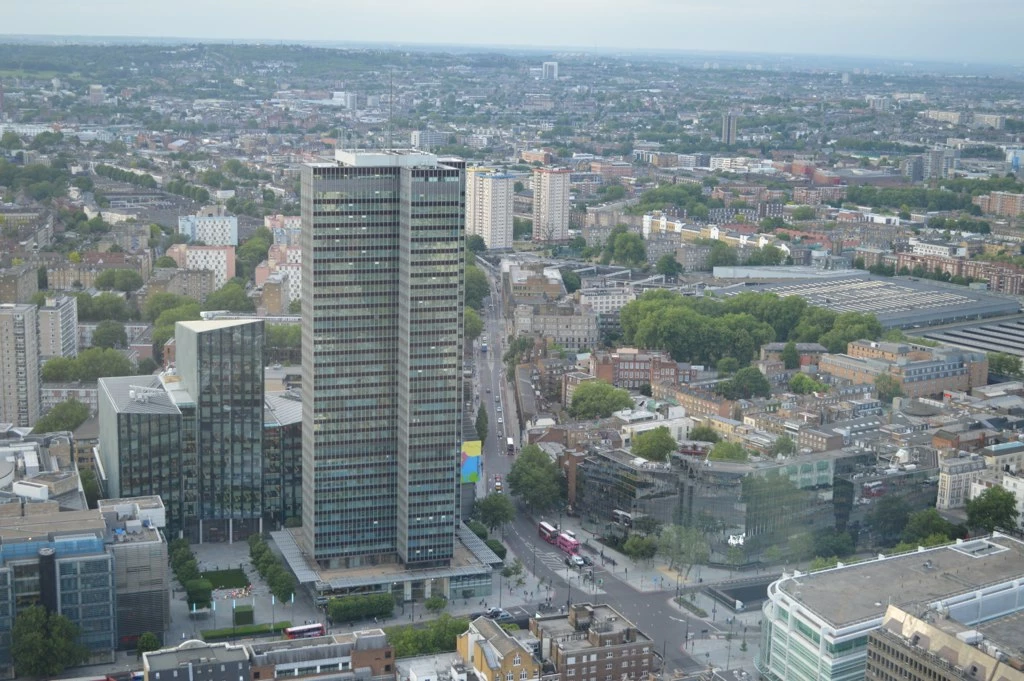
489,206
212,230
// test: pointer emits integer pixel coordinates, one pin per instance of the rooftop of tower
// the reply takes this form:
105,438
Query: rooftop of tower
377,158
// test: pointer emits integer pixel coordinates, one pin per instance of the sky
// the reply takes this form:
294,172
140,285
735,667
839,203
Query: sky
934,30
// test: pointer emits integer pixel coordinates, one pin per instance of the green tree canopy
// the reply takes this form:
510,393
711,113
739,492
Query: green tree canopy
157,303
668,266
640,548
477,287
165,261
888,519
534,478
927,523
474,325
119,279
802,384
482,424
704,433
45,644
803,213
784,446
728,451
993,509
103,307
148,642
655,444
790,356
64,416
475,243
230,296
597,399
887,388
683,546
571,280
495,510
1005,364
746,383
109,334
163,327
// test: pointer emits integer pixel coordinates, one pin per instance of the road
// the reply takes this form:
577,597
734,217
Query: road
652,612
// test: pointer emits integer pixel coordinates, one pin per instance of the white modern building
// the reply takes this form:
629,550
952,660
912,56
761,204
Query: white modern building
550,70
816,625
218,259
489,206
551,204
428,139
210,226
58,328
20,380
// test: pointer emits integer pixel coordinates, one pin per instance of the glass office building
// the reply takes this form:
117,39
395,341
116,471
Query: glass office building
382,340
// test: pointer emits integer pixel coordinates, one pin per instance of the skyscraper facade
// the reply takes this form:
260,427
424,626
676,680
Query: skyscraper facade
551,204
20,388
729,121
58,328
194,435
489,206
382,342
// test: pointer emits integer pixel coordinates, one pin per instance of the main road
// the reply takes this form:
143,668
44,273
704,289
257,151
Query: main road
651,611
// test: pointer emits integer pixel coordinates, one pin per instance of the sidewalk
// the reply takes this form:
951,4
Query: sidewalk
646,576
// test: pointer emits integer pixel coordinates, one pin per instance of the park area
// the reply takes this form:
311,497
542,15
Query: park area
227,579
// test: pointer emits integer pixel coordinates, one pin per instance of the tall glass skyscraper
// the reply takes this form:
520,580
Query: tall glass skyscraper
382,342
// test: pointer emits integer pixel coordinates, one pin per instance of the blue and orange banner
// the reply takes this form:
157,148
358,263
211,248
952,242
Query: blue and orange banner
471,461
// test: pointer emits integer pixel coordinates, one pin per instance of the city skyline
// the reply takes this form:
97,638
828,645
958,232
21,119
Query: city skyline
942,30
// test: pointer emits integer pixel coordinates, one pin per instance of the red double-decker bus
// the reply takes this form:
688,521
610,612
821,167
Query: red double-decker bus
548,532
305,631
568,543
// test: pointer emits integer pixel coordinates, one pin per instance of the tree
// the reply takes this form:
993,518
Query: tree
597,399
435,604
888,519
1005,364
147,366
59,370
721,255
10,141
728,451
475,244
640,548
96,363
146,643
654,445
790,356
783,446
109,334
158,303
704,433
535,479
495,510
474,325
45,644
477,287
64,416
927,523
802,384
91,487
295,307
165,261
993,509
683,546
668,266
748,382
120,280
727,366
230,296
571,280
887,388
481,424
803,213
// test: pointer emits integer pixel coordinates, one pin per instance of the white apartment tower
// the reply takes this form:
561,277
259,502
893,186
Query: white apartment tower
489,206
550,204
550,70
58,328
20,389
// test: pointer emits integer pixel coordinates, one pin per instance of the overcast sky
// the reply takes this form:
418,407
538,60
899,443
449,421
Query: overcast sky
946,30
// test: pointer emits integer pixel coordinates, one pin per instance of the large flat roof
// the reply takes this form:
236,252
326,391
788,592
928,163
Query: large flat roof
861,592
897,302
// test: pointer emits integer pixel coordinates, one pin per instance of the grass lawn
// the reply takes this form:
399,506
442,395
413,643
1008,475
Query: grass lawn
227,579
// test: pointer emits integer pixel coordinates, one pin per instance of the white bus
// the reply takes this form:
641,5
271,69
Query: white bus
511,447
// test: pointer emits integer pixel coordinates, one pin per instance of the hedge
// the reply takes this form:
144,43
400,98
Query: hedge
354,608
247,630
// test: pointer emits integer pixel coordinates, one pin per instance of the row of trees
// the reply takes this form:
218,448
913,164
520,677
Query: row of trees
89,366
437,636
65,416
278,578
349,609
198,591
704,330
143,180
189,191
